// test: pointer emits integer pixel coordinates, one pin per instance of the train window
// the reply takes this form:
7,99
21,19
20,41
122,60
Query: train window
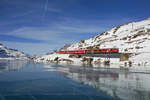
115,50
112,50
81,51
104,50
107,50
77,51
88,50
95,50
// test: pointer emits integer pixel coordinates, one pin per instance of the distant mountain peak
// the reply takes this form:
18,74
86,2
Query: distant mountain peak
7,53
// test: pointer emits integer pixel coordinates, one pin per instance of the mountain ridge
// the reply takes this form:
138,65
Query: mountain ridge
131,38
8,53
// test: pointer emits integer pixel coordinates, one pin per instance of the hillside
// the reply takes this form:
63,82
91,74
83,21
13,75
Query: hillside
129,38
7,53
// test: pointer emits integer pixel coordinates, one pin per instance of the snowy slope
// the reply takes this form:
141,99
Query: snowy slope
6,53
129,38
62,58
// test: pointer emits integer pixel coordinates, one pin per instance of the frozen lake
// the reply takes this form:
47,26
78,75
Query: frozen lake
26,80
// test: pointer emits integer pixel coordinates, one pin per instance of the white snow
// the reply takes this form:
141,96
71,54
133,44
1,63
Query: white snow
129,38
112,38
12,54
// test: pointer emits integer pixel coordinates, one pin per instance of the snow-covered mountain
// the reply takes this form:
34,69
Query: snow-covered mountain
129,38
132,37
7,53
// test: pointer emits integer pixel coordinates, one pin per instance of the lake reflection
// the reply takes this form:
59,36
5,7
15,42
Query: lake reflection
26,80
118,83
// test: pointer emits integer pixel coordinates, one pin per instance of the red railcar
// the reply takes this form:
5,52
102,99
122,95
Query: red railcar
96,51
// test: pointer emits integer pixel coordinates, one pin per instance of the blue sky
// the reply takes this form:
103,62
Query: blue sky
40,26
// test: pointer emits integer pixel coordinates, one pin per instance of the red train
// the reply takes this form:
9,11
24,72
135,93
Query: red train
96,51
